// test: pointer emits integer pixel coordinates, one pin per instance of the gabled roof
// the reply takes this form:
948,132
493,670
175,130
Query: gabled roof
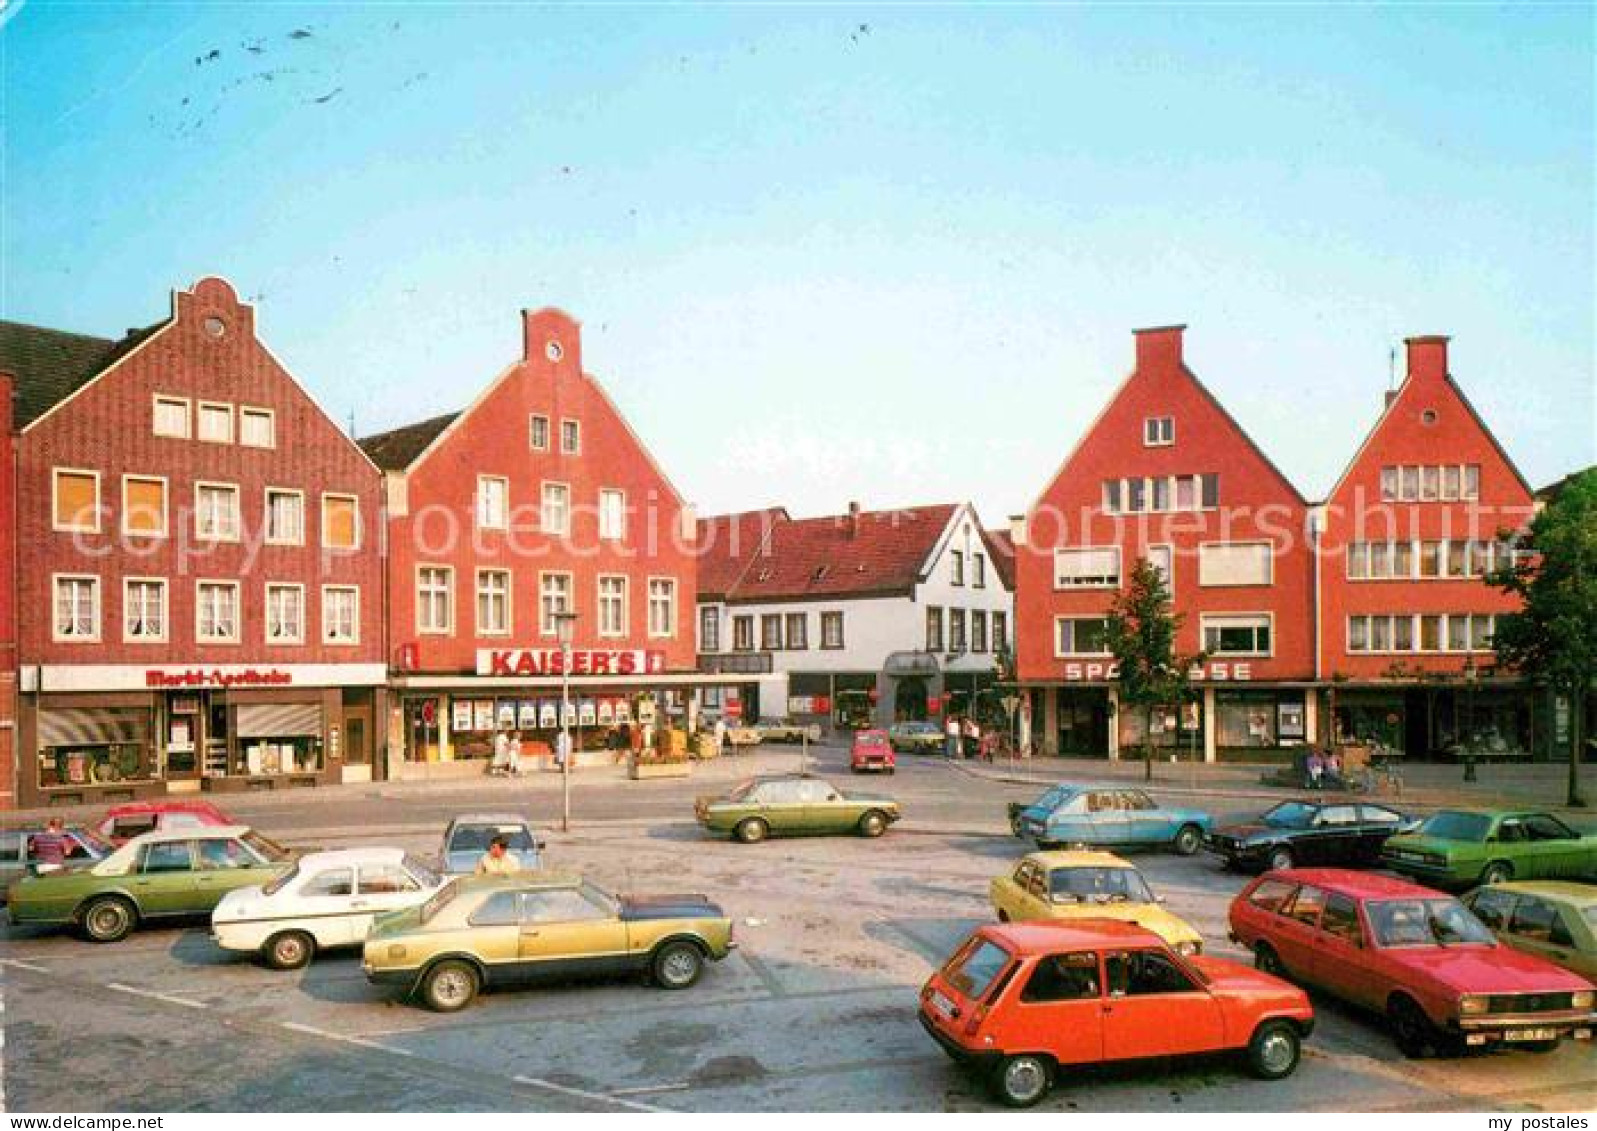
727,543
1551,492
51,365
1002,543
397,449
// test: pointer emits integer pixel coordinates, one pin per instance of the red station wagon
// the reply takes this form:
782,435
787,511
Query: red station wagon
872,751
1024,1001
124,822
1415,955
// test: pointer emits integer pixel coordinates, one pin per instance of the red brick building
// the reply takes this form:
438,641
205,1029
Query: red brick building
8,598
199,590
536,502
1167,474
1405,620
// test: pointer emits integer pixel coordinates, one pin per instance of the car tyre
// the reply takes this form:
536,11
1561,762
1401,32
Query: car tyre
1497,872
450,986
1279,860
1022,1080
872,824
751,830
1541,1046
289,950
1266,959
1188,840
108,919
677,965
1275,1050
1411,1029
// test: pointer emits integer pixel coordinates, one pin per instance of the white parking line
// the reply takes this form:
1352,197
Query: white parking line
21,965
168,998
327,1034
652,1089
595,1097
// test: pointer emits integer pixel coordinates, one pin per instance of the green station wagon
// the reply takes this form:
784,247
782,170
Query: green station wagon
795,805
1459,848
169,874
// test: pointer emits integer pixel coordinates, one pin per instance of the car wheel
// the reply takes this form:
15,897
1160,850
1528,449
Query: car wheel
751,830
1274,1051
1280,860
108,919
1022,1081
449,986
873,824
1540,1046
1266,959
1188,840
677,965
1411,1029
1497,872
289,950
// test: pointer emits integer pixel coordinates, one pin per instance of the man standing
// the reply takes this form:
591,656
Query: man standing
501,759
951,737
497,861
514,759
719,733
48,850
972,736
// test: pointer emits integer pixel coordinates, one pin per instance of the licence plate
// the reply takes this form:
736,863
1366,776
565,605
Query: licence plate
941,1004
1531,1035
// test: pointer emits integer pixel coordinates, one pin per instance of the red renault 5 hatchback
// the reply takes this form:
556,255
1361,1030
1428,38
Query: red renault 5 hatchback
872,751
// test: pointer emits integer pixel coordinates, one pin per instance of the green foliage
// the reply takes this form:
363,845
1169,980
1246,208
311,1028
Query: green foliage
1142,637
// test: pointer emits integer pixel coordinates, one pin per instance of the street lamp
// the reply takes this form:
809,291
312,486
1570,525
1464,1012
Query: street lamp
565,627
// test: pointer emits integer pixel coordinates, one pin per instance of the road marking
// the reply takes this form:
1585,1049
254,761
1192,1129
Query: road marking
595,1097
170,999
327,1034
21,965
650,1089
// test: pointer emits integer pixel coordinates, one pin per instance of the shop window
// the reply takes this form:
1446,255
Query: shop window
216,512
613,606
285,517
1247,635
554,600
709,629
143,506
340,522
832,630
144,610
662,607
538,433
77,608
285,614
493,502
216,612
1081,636
1092,568
1234,563
493,602
612,514
257,428
340,614
797,630
76,501
216,423
555,513
171,417
934,629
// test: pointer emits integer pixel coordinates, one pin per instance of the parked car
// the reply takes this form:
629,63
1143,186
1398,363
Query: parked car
122,823
871,751
1107,816
916,737
157,875
787,730
1308,832
1552,920
1459,848
467,837
1086,885
326,900
1411,954
794,804
17,858
738,734
481,932
1022,1002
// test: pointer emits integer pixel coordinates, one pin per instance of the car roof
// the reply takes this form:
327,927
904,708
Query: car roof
333,857
1079,858
1042,936
520,881
162,806
1580,895
1345,881
207,832
489,819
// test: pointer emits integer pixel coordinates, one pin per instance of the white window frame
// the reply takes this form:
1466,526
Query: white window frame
502,520
165,634
360,531
166,506
1169,569
509,592
1158,431
1120,569
199,417
620,533
626,600
1269,564
55,501
266,524
187,404
674,593
329,637
532,432
271,426
1061,653
575,449
448,572
200,584
834,616
266,620
238,511
93,635
1206,620
708,614
543,507
547,624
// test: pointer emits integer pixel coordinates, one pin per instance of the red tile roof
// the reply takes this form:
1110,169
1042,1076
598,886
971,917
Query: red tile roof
727,543
1002,544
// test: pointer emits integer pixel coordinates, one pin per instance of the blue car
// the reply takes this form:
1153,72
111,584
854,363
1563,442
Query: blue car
1107,816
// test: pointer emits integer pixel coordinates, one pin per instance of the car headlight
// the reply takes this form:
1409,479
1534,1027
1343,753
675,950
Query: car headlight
1472,1005
1189,947
1581,999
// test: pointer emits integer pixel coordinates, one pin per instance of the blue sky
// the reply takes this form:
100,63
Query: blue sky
839,252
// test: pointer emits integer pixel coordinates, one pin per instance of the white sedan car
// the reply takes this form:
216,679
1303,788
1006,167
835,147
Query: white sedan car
328,899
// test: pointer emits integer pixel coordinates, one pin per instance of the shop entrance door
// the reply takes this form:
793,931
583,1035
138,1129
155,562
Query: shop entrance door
909,699
1417,724
1084,723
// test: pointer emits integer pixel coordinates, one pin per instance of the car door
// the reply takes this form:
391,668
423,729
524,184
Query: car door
1340,959
824,810
1009,892
222,864
379,888
1106,818
325,901
1060,1008
1155,1007
1145,822
1377,824
564,934
1555,847
164,882
1295,931
495,936
1536,925
781,805
1335,835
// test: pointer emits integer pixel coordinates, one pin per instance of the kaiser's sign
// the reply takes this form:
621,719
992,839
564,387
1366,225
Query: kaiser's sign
584,661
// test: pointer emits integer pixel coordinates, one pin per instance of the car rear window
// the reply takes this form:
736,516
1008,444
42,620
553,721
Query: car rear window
475,838
278,883
1271,895
973,970
1457,826
443,899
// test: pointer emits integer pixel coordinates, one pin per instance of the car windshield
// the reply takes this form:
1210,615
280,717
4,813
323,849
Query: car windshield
1425,922
601,897
475,838
441,900
741,792
972,971
1055,797
424,874
1098,885
266,848
1291,815
278,883
1457,826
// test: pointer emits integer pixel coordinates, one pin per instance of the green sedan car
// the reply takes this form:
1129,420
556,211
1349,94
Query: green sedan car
1459,848
170,874
795,805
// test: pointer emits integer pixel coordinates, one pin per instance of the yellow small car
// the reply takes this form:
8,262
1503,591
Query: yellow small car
1552,920
491,931
1087,885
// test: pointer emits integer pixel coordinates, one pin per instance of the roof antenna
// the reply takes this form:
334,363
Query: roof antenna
352,422
1391,368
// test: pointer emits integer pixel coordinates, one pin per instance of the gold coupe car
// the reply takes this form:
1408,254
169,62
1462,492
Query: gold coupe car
489,931
1087,885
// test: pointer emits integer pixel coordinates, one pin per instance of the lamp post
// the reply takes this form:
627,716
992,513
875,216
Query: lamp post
1469,717
565,626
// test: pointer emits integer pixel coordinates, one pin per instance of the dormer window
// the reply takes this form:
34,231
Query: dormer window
1159,431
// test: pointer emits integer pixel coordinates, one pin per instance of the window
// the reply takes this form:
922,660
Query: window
978,565
1234,563
934,629
613,606
143,506
1160,497
493,602
612,513
1272,895
1081,636
332,883
1000,632
502,909
216,612
1245,635
1341,920
386,879
1142,972
166,856
1472,482
171,417
662,606
1389,484
570,437
1306,905
1430,483
1452,480
1158,431
76,500
1186,493
340,614
1211,491
1062,977
340,522
743,634
798,636
285,517
831,630
555,514
956,630
435,599
1445,482
957,560
216,423
1094,568
1358,634
978,630
257,428
1111,496
216,512
554,600
493,502
771,632
143,609
1162,558
1537,920
77,608
709,629
538,433
285,614
1492,906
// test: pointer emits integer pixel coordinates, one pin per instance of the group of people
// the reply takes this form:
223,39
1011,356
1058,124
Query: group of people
506,759
1324,770
963,736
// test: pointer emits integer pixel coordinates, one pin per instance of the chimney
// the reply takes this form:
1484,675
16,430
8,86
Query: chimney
1159,347
853,520
1017,529
1427,357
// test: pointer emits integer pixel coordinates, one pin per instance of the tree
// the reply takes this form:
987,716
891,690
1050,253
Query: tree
1142,637
1552,640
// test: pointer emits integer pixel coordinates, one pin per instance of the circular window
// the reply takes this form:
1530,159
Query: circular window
1428,417
553,351
215,327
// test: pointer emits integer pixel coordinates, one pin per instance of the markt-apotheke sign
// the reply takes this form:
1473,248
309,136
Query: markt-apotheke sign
218,677
584,661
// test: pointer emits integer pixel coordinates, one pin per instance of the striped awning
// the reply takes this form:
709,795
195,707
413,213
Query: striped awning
92,726
279,720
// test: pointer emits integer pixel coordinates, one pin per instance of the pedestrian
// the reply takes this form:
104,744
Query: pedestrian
1332,770
718,734
1316,768
513,760
48,849
562,747
972,737
951,737
501,758
498,861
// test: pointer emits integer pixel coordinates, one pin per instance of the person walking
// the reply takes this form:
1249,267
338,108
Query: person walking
513,758
501,758
48,849
951,737
718,734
